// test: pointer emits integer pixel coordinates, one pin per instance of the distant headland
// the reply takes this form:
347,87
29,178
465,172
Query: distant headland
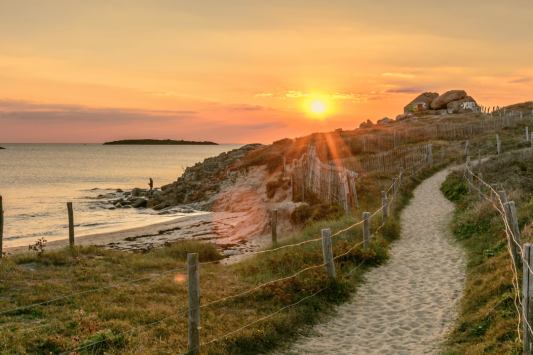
2,148
158,142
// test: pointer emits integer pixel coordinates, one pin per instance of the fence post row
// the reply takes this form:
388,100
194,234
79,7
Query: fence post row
70,224
366,230
527,303
510,213
274,226
193,275
385,205
327,252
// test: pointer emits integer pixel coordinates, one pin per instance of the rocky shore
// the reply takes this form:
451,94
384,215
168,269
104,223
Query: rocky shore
196,189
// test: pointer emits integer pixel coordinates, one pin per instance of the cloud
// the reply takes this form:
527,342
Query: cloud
29,110
405,91
266,125
399,75
521,80
246,107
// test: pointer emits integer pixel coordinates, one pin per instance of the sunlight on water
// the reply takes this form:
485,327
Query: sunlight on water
37,180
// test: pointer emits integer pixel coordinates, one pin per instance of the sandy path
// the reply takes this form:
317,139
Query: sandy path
406,305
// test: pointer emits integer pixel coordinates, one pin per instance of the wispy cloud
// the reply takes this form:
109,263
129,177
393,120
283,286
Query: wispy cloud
42,111
246,107
519,81
399,75
355,98
405,91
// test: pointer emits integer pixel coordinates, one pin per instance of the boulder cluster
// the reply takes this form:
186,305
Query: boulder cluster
453,101
193,189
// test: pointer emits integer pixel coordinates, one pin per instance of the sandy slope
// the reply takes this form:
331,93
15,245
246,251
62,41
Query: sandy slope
406,306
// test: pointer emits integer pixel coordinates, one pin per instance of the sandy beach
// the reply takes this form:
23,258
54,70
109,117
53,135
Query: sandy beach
408,304
239,221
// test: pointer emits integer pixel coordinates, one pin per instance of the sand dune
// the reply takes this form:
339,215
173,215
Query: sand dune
406,306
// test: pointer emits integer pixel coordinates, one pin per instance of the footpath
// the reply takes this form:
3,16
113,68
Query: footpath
407,305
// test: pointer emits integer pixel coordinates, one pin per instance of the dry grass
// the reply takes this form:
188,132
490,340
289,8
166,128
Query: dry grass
488,318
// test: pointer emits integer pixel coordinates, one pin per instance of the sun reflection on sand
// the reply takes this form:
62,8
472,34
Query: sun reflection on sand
180,278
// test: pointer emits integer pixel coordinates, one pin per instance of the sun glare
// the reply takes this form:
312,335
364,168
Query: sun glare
318,107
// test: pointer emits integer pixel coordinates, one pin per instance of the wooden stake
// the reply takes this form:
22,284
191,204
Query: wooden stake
70,224
527,303
503,196
510,213
327,252
466,148
274,226
385,205
481,186
442,155
366,230
193,274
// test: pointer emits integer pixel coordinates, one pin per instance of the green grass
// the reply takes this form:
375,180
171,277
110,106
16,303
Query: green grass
488,318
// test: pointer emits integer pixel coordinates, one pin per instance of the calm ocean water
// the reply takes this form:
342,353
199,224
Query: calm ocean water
37,180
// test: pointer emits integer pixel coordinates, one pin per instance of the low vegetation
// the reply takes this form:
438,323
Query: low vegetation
488,322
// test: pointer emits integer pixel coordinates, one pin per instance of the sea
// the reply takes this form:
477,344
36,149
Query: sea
37,181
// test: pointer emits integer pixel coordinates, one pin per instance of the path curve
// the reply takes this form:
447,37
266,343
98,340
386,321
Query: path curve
406,305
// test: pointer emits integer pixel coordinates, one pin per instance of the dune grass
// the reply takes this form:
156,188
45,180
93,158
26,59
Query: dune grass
87,318
488,321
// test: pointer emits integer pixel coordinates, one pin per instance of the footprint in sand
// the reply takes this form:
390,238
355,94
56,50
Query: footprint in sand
406,305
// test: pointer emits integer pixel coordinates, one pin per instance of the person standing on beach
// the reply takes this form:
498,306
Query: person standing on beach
151,183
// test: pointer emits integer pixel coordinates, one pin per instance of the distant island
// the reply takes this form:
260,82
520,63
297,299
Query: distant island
2,148
158,142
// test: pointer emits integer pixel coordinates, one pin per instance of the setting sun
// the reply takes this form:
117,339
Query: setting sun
318,107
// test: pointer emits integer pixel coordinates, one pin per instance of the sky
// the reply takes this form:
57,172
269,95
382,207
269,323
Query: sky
239,71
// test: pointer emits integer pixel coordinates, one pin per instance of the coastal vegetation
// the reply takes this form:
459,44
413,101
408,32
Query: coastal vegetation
86,318
489,317
157,142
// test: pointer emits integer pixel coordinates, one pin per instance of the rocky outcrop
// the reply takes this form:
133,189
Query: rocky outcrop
443,100
198,183
385,121
421,103
468,104
404,116
366,124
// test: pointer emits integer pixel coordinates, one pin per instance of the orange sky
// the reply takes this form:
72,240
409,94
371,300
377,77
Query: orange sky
242,71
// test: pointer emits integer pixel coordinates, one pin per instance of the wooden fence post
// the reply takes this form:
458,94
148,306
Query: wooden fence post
393,187
527,303
442,155
510,213
414,170
469,174
499,147
493,191
193,275
400,178
1,228
70,224
274,226
385,205
481,187
527,131
466,148
292,188
327,251
366,230
503,196
430,155
479,159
